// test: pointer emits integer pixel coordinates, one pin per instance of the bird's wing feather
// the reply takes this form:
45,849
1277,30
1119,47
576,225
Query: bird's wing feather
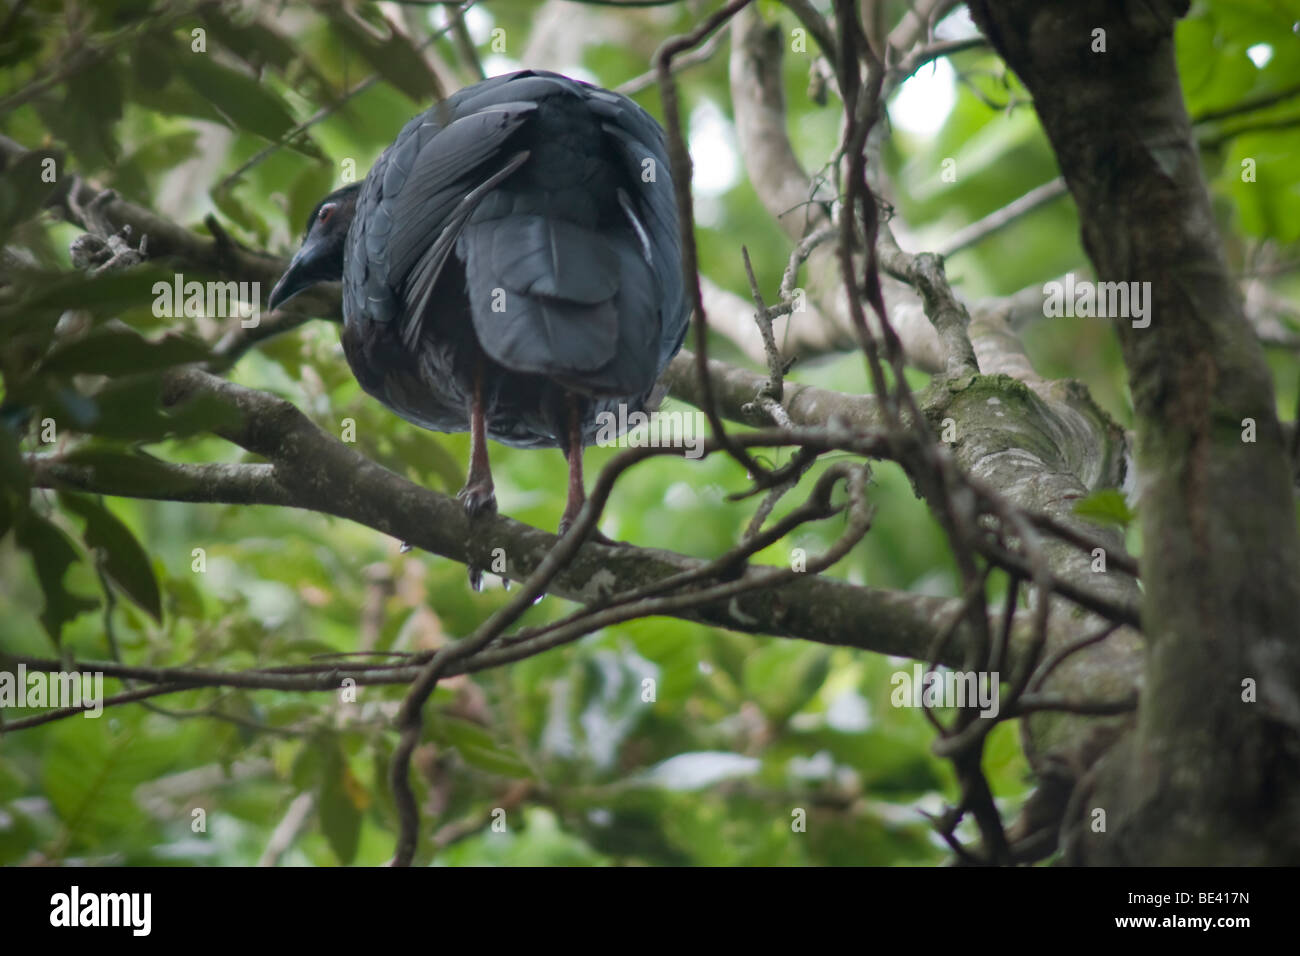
640,144
415,204
424,277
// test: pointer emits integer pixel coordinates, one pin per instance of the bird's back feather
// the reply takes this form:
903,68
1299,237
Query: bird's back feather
532,217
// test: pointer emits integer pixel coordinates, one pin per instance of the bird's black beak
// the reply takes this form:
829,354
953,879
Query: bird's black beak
299,276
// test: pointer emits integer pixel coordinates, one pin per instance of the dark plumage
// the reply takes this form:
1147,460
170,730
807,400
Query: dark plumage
511,265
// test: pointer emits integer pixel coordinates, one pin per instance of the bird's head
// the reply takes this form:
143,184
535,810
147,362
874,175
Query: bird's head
321,257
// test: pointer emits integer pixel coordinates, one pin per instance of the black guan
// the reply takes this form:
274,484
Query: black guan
512,266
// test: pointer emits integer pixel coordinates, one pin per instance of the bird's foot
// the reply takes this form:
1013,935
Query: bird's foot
478,498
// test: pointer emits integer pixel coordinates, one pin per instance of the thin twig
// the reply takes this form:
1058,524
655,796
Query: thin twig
999,219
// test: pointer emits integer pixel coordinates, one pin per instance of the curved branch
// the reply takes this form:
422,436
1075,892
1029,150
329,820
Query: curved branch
311,470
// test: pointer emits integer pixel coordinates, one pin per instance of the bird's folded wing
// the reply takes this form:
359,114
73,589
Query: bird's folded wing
415,204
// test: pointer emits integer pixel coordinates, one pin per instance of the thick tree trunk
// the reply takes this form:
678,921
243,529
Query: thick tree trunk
1211,773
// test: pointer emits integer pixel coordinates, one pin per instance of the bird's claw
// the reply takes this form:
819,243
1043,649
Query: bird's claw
477,499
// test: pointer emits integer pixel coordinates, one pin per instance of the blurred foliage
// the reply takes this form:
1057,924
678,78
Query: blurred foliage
742,732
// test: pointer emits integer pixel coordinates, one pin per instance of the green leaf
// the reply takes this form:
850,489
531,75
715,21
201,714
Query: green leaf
91,112
125,562
22,40
305,772
784,675
153,156
53,293
174,98
340,815
393,57
120,351
1107,506
52,554
185,598
14,484
154,65
90,777
418,455
130,408
478,747
242,100
24,189
257,43
235,209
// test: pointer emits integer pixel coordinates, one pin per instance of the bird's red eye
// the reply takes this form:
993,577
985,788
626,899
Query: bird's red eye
325,213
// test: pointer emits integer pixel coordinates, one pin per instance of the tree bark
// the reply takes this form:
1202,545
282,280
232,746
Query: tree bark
1211,772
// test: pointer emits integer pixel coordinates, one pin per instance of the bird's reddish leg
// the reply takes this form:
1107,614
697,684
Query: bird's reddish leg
477,496
573,452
